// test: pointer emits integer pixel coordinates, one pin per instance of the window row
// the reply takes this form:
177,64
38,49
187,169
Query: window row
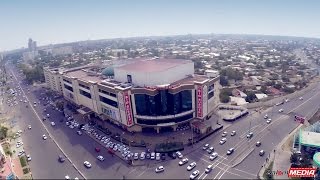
68,87
84,93
108,101
86,87
164,103
155,122
107,93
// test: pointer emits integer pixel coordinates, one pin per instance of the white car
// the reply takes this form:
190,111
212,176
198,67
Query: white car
194,174
29,126
44,137
301,98
87,164
222,141
183,161
224,134
53,123
67,177
233,133
180,156
158,156
159,169
269,121
280,110
208,169
28,157
206,146
213,156
191,166
266,116
100,158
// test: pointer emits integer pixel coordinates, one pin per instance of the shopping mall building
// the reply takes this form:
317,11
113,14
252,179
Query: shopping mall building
140,94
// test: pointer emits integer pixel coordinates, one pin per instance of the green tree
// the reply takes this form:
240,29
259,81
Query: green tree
224,81
3,132
251,97
225,95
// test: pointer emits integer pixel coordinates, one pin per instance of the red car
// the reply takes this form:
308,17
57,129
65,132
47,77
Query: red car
97,149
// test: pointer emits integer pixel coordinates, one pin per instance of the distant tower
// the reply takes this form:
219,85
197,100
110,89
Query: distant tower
34,45
30,44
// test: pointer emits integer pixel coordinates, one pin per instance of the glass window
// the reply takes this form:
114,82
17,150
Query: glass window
108,101
68,87
163,103
84,93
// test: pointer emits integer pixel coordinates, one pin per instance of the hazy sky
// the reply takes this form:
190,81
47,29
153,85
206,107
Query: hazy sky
57,21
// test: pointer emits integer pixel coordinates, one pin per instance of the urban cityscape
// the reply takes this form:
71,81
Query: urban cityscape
189,105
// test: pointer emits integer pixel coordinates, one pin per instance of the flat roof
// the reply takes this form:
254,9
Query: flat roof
82,75
156,65
309,138
191,79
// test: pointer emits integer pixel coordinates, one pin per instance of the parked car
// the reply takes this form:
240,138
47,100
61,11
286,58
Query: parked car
159,169
194,174
158,156
183,161
213,156
191,166
261,153
87,164
153,156
206,146
280,110
224,134
230,151
163,156
233,133
100,158
180,156
222,141
210,150
208,169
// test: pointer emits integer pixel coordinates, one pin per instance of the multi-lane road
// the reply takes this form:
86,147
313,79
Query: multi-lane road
77,149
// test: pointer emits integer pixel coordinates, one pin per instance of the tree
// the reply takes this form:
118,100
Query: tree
3,132
60,104
224,81
251,97
264,89
225,95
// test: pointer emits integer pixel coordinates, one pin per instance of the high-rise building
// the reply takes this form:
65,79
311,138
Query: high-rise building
30,44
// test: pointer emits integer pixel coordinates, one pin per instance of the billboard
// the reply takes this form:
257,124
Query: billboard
127,107
199,101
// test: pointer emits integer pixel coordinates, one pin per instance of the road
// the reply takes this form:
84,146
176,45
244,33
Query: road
80,148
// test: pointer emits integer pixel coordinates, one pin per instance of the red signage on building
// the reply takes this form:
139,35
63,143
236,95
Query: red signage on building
199,101
127,107
301,172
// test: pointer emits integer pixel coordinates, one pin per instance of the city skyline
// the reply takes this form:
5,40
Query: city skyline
52,22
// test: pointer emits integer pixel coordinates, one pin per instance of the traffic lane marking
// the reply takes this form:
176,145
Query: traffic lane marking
277,120
46,127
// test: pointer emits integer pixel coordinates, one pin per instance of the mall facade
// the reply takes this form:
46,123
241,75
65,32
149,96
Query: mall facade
140,94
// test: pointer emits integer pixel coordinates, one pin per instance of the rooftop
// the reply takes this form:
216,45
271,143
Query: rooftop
84,75
154,65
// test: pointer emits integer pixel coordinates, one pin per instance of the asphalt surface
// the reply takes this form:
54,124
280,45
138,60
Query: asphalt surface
78,149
